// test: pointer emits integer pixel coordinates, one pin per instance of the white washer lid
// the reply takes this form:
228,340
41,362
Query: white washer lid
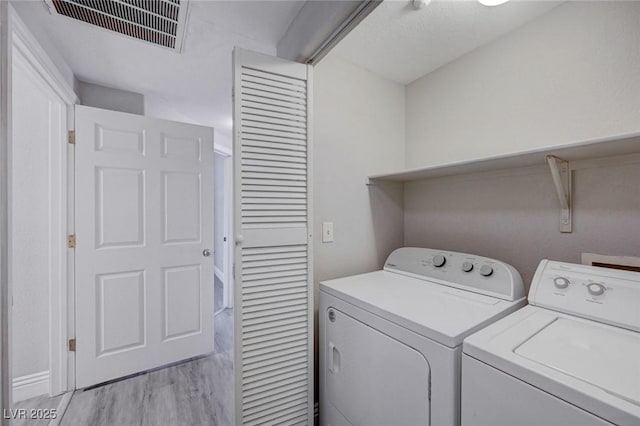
592,365
605,357
441,313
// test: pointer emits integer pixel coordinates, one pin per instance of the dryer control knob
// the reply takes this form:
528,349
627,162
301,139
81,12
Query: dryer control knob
467,266
561,282
486,270
439,260
596,289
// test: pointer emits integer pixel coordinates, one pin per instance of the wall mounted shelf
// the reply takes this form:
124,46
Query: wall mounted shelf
599,148
560,159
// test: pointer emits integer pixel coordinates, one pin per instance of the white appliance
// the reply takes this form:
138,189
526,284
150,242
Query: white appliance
390,340
572,357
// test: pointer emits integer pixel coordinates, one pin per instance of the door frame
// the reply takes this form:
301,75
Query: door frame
19,39
227,153
5,139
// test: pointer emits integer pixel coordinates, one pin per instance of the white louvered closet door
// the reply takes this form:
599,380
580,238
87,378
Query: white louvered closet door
273,266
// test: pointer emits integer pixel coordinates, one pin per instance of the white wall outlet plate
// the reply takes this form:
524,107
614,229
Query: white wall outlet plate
327,232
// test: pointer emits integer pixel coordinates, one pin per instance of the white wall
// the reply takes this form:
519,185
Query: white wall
37,239
51,50
570,75
98,96
358,121
220,186
186,111
358,130
5,376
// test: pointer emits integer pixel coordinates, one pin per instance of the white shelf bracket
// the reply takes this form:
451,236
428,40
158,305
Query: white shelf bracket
561,174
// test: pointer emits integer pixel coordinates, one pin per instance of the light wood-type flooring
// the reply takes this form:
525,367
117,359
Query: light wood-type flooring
197,392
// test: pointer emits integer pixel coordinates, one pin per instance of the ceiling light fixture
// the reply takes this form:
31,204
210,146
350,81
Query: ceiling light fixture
492,2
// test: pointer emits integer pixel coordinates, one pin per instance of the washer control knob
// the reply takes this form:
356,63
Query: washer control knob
561,282
467,266
596,289
439,260
486,270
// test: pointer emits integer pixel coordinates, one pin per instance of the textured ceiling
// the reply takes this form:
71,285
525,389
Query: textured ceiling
195,83
402,44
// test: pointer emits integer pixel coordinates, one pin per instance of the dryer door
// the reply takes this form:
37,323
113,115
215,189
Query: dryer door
372,378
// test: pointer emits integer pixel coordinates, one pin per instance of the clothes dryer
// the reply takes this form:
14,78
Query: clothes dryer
390,340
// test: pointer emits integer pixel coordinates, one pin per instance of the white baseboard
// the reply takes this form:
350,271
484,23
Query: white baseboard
30,386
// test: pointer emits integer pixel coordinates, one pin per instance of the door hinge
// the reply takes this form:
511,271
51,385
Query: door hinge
71,241
72,345
71,137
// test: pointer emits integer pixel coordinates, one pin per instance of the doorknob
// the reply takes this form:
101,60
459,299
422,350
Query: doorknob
206,252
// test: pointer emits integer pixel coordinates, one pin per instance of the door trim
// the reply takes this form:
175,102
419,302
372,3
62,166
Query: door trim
5,140
61,307
227,275
227,300
22,39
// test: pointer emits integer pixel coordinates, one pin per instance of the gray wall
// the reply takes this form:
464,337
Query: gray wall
109,98
514,216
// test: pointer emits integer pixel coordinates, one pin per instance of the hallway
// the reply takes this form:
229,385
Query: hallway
196,392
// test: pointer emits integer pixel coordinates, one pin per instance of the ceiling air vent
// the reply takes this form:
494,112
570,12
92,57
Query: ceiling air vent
160,22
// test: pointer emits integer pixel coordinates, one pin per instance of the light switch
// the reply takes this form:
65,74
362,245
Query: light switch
327,232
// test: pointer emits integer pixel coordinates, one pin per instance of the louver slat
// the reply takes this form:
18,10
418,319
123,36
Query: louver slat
257,112
252,138
285,380
270,154
293,312
274,378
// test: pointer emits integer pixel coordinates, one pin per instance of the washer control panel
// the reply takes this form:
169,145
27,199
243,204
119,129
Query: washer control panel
465,271
607,295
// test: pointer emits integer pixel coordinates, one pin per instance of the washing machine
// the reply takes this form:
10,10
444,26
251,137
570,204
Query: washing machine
390,340
571,357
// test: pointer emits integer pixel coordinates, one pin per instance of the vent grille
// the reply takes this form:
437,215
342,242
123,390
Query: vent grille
160,22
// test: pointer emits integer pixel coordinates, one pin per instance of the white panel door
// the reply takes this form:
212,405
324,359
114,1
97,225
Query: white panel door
144,220
274,280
